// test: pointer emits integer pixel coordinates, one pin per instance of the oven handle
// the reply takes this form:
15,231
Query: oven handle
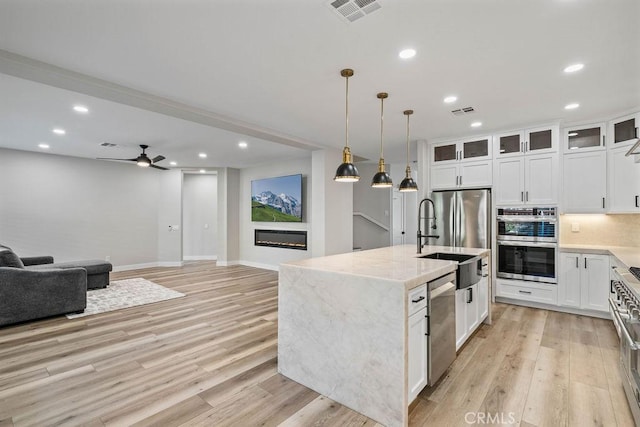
525,243
525,219
618,321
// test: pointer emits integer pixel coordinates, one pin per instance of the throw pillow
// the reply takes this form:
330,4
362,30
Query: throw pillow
8,258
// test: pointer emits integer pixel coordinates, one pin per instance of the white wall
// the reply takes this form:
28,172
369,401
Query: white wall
375,203
262,256
332,226
200,216
75,208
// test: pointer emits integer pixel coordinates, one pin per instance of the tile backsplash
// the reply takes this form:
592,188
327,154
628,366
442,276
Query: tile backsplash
606,230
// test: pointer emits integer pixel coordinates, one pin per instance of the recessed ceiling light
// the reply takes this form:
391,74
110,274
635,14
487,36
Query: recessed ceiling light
407,53
59,131
202,155
450,99
476,124
572,106
572,134
573,68
203,171
242,144
173,163
80,109
43,146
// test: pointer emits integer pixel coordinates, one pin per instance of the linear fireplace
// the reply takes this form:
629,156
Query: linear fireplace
289,239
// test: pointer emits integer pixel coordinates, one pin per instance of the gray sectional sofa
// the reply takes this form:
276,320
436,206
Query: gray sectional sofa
36,287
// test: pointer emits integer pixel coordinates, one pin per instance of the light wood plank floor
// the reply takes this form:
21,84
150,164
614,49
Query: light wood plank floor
209,359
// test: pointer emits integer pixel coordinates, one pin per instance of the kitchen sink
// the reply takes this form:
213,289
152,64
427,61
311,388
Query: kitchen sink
469,270
449,256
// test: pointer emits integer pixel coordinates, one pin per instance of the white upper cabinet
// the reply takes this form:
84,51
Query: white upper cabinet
584,138
585,182
624,130
527,179
528,141
468,150
462,164
623,181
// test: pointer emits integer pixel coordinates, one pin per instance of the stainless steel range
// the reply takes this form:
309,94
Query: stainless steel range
625,312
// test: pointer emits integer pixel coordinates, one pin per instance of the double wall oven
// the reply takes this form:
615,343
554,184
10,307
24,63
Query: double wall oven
527,239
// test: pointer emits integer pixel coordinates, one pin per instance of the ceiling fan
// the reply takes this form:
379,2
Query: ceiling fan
143,160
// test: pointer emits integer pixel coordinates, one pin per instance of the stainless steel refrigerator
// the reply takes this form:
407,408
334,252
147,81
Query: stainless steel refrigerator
463,218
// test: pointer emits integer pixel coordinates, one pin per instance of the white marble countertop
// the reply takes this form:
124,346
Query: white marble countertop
393,263
629,256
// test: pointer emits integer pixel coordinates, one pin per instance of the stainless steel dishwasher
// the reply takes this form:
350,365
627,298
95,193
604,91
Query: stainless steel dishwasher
441,325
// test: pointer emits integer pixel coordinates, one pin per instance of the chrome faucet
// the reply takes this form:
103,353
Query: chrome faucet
420,236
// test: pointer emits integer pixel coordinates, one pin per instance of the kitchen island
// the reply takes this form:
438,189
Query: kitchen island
343,324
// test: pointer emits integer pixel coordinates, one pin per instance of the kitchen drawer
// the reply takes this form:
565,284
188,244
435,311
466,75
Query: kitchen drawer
538,292
417,299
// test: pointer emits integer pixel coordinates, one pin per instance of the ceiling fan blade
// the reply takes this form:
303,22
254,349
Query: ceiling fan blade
159,167
124,160
158,158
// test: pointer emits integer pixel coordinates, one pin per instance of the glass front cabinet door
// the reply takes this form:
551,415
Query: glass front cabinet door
584,138
625,129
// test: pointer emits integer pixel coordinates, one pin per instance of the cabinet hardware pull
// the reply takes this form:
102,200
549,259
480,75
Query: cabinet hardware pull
577,266
585,262
460,179
525,292
526,196
636,132
637,206
470,296
522,196
526,146
603,203
417,300
428,325
611,287
603,141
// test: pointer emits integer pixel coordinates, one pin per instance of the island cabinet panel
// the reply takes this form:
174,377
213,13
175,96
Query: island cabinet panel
417,354
345,337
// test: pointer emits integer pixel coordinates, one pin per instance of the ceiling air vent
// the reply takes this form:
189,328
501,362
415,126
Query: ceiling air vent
352,10
463,111
108,144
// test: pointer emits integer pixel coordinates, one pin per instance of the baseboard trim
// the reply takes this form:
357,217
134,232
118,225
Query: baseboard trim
562,309
260,265
146,265
200,257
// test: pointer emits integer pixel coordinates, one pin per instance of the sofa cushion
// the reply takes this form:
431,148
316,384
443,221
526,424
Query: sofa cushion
9,259
93,266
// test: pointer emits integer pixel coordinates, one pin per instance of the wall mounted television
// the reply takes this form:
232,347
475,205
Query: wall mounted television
277,199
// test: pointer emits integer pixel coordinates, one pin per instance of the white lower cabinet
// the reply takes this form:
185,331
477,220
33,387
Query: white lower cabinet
417,353
584,281
472,307
545,293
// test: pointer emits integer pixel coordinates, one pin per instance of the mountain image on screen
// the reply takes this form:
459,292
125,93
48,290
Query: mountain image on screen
270,207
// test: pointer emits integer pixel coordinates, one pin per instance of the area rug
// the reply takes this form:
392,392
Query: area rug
125,293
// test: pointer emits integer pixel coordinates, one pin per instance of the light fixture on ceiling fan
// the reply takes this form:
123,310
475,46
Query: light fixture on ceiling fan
381,179
347,171
408,184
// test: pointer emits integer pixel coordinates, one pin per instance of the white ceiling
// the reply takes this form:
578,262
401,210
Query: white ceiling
274,65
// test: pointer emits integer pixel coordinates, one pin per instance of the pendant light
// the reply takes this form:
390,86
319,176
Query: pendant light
381,179
408,184
347,171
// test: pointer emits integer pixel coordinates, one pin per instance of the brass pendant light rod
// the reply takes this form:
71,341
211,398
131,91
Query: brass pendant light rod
382,96
347,171
408,184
